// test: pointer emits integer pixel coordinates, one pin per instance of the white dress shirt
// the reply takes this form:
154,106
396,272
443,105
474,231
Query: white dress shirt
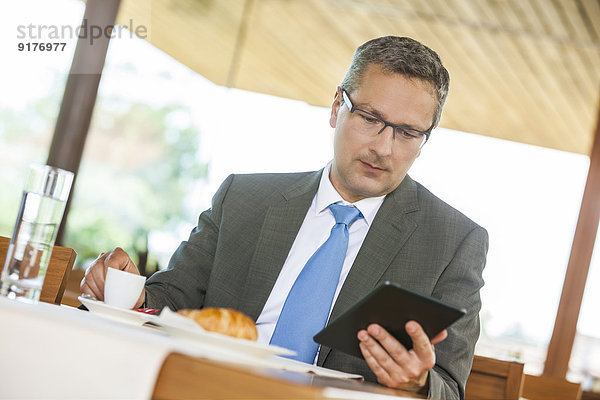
312,234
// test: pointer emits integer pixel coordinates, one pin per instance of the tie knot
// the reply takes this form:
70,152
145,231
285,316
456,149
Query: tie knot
344,214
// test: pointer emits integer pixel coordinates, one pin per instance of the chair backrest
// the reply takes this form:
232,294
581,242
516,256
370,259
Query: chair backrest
57,274
494,379
546,387
72,292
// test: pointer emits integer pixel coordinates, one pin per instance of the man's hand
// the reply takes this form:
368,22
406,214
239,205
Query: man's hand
389,360
93,281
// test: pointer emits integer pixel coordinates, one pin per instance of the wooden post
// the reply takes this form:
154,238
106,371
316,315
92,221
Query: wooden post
81,89
565,325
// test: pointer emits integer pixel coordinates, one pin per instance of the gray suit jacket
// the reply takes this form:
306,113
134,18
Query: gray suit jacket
234,255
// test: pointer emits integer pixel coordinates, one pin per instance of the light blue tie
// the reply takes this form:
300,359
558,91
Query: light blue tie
307,305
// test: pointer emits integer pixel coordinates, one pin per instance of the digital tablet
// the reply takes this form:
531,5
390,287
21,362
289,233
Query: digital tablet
390,306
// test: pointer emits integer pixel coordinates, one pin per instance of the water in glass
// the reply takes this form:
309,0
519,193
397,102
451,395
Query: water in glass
40,213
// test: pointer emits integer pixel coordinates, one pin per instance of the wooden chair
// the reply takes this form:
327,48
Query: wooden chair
57,274
546,387
72,292
494,379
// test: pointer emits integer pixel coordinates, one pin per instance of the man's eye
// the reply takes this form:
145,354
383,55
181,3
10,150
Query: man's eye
369,120
408,135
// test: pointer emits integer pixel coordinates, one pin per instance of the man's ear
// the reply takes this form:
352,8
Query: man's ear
335,108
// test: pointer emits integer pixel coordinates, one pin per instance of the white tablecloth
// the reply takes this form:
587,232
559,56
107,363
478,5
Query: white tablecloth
52,352
59,352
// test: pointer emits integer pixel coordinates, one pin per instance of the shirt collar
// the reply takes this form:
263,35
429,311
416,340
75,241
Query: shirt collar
326,195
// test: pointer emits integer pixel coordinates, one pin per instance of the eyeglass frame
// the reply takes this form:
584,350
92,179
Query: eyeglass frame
403,128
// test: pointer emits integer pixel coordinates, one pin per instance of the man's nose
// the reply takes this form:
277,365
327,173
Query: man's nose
383,143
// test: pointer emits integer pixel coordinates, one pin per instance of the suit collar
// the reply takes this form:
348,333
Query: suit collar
306,185
405,195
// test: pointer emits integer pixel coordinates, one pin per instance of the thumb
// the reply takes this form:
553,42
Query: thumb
439,337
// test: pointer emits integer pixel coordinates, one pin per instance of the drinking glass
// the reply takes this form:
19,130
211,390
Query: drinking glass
42,206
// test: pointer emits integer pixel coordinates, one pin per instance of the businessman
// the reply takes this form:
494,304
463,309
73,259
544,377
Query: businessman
293,251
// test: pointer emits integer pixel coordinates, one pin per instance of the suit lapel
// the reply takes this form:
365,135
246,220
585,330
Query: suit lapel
279,229
389,232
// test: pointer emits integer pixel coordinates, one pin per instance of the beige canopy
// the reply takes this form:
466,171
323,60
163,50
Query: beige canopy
521,70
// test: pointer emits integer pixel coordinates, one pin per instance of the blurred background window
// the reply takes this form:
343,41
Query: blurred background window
32,85
163,138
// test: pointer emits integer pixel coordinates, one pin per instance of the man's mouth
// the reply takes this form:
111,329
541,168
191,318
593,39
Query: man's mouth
372,167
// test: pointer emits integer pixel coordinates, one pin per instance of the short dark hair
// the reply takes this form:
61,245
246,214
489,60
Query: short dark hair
404,56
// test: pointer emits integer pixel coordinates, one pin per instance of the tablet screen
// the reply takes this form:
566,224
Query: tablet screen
390,306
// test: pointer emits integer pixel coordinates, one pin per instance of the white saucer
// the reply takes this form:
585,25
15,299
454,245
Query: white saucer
182,327
104,310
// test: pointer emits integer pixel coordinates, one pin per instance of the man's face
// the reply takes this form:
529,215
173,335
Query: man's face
369,166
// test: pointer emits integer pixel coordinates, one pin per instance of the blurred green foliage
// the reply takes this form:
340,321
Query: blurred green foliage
139,164
136,182
25,134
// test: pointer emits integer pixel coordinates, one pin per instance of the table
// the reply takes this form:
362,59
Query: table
186,377
70,353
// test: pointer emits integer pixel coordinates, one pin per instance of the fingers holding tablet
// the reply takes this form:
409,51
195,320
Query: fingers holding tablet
392,363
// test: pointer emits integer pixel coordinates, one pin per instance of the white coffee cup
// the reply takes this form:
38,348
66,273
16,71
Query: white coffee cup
122,289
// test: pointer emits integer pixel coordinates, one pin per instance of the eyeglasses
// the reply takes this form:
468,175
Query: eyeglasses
371,125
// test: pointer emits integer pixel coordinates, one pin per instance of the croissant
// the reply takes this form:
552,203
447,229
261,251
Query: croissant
223,320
